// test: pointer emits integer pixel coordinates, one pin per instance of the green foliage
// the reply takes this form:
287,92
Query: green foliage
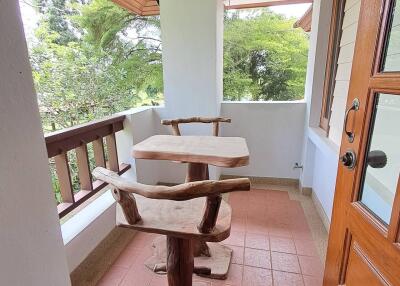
91,58
86,65
103,20
265,58
56,14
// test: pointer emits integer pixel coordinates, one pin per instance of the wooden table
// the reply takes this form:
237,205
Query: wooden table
198,152
228,152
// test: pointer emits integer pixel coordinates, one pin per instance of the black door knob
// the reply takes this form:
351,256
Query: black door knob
377,159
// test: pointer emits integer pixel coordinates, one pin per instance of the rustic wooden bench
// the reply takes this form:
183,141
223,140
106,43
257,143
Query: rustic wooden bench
180,212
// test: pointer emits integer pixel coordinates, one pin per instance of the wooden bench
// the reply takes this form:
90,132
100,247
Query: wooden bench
181,212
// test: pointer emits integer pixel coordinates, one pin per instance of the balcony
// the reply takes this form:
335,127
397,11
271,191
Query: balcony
64,232
277,234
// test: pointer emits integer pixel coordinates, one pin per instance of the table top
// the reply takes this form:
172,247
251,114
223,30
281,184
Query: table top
218,151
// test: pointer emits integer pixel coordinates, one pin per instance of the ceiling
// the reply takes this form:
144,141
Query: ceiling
150,7
140,7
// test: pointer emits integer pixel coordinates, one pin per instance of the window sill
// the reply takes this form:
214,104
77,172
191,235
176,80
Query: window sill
302,101
318,136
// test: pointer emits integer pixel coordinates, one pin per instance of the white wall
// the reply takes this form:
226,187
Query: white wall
192,34
324,179
318,152
321,153
314,81
85,230
140,124
31,249
274,134
325,163
273,130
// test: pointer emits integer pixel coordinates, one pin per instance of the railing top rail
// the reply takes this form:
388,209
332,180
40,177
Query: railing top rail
82,128
67,139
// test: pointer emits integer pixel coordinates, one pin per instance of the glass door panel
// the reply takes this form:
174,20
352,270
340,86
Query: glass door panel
382,163
391,59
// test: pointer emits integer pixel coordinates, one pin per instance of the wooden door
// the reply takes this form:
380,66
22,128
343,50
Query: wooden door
364,246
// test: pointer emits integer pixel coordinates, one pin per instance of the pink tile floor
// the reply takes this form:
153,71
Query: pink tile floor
271,242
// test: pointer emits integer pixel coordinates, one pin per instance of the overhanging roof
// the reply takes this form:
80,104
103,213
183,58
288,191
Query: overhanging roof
140,7
305,21
150,7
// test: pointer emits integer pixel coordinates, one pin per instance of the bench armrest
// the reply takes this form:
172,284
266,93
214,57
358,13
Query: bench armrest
186,191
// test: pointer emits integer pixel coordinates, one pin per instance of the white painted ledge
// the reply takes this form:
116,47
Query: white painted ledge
324,172
322,142
80,221
83,232
302,101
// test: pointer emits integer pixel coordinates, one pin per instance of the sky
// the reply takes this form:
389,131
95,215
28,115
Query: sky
30,17
294,10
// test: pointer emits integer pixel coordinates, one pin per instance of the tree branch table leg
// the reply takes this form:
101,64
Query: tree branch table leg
209,219
180,261
212,255
218,262
198,172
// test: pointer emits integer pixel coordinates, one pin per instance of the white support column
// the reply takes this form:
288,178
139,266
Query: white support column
31,248
315,81
192,35
192,39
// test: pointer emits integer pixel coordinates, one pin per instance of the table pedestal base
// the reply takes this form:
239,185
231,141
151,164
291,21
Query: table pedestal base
218,261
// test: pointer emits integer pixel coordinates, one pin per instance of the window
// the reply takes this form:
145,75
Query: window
265,57
332,61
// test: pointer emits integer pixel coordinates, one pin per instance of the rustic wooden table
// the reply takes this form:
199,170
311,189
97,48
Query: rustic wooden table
198,152
226,152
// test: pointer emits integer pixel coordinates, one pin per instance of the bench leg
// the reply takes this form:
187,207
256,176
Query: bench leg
180,262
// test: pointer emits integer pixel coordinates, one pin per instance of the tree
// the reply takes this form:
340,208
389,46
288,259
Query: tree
92,59
86,63
264,57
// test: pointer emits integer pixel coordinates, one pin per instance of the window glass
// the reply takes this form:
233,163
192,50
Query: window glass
391,60
332,62
382,165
